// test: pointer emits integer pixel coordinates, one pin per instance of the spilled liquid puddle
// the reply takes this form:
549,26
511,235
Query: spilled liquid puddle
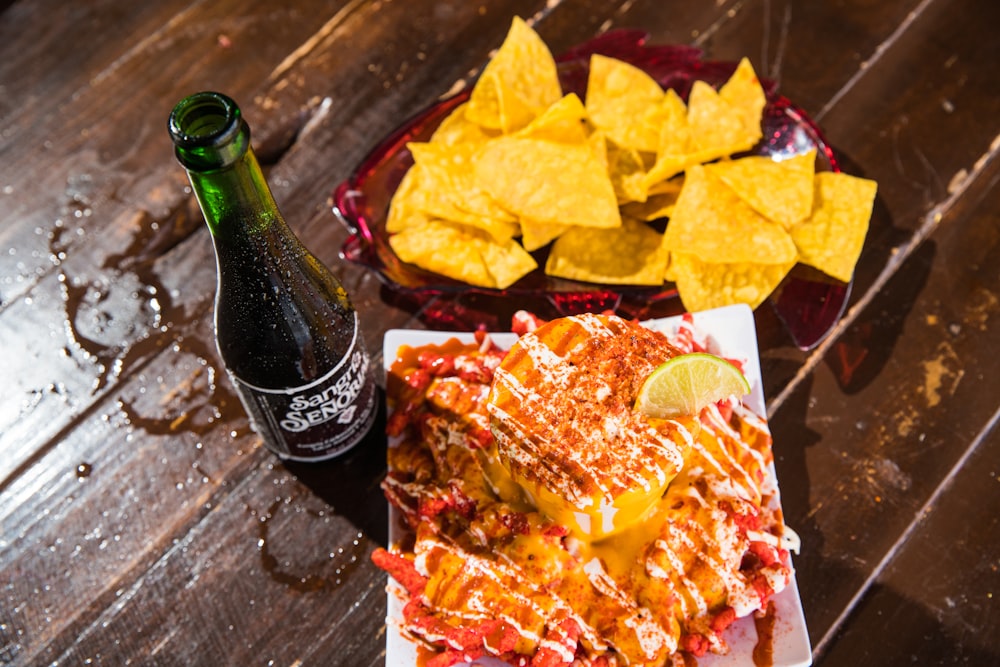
124,315
345,560
113,325
205,477
190,400
122,318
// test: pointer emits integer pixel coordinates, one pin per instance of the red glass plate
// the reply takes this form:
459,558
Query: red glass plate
808,305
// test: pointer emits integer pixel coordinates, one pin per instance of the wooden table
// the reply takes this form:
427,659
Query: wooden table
143,523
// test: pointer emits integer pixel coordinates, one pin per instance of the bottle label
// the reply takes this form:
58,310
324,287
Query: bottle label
319,420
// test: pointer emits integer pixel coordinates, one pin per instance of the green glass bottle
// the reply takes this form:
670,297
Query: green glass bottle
284,325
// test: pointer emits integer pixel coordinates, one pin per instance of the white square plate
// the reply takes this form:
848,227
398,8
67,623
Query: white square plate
730,332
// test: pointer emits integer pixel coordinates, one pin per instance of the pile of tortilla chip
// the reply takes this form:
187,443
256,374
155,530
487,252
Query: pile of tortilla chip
520,166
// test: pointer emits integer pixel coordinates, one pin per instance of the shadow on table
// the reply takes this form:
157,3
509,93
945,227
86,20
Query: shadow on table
350,484
862,351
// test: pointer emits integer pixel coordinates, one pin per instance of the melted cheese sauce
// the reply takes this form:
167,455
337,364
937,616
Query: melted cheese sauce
706,549
561,411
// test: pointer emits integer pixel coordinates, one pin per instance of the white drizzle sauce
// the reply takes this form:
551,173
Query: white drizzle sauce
651,636
633,439
503,569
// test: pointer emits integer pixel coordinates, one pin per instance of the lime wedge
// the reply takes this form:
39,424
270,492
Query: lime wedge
687,383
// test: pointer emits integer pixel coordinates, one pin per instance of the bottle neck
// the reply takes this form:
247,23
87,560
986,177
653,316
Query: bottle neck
235,200
212,142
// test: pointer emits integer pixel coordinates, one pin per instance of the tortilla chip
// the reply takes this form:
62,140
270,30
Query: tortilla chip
565,122
621,101
670,188
659,205
706,285
535,235
448,249
457,130
507,262
628,255
445,189
627,171
517,85
744,94
464,253
717,129
548,182
403,209
673,146
781,191
711,222
832,238
675,132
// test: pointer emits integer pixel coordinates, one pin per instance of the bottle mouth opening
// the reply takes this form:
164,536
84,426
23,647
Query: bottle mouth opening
208,132
204,119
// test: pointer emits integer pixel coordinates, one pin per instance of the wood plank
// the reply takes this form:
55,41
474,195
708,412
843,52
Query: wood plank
941,586
137,476
38,75
116,492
